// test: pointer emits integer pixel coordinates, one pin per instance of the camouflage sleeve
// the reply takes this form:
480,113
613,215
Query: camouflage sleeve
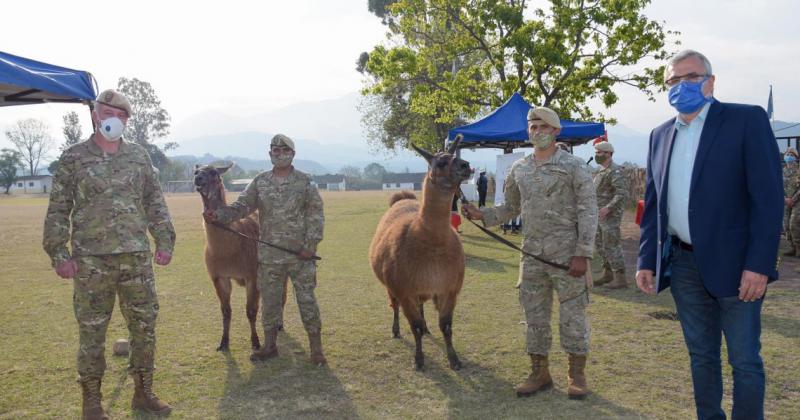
508,210
586,205
796,195
158,221
620,190
242,207
57,221
315,219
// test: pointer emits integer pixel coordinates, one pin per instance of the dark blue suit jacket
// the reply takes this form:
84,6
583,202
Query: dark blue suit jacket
735,199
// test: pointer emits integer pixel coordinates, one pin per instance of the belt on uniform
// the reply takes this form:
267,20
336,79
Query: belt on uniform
683,245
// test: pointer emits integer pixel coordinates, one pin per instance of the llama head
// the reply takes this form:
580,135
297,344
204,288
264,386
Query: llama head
445,169
208,180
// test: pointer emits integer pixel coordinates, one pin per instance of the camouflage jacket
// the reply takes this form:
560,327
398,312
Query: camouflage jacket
791,181
289,213
611,188
105,203
557,202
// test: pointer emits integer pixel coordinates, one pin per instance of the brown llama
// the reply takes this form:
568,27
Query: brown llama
418,256
230,256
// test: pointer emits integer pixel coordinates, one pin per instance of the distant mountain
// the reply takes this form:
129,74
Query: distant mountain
333,157
246,164
328,121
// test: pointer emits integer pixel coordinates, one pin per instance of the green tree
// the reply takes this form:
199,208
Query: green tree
457,59
71,129
32,140
10,160
149,122
374,171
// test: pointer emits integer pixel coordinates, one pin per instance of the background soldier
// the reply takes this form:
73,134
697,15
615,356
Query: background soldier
553,192
791,190
106,189
611,189
483,187
290,215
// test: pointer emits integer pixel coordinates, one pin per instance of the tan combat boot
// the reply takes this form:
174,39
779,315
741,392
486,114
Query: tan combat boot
578,389
315,343
145,399
270,347
92,397
607,276
539,379
619,281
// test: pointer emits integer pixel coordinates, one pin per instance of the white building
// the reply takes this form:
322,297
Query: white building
409,181
33,184
330,182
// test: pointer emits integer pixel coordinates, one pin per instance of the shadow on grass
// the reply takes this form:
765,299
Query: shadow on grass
488,265
475,387
288,386
787,327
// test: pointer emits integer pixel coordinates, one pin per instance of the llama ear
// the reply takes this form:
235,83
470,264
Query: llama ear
454,144
424,153
223,169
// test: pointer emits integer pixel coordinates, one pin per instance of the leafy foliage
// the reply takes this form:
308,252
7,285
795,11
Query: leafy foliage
452,60
10,160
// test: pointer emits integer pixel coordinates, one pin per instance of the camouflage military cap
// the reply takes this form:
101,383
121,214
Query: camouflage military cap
791,151
282,140
545,114
114,99
604,146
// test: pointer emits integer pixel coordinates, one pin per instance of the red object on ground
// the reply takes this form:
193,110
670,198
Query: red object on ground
639,212
455,220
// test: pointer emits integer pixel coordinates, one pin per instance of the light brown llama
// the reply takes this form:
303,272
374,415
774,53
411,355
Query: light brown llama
418,256
230,256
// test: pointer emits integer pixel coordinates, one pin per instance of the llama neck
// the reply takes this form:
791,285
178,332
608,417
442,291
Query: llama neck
215,199
435,207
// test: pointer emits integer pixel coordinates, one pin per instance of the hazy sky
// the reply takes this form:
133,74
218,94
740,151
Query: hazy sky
247,57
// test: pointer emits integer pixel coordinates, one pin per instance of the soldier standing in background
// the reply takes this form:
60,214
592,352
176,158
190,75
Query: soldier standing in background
105,197
290,215
483,187
791,189
611,190
553,192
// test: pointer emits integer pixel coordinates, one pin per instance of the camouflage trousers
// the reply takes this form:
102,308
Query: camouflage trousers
537,282
791,225
100,278
271,278
609,243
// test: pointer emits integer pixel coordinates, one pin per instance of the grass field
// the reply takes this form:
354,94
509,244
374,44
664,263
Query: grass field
638,366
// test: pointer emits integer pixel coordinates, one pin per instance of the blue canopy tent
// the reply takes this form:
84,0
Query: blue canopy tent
24,81
506,128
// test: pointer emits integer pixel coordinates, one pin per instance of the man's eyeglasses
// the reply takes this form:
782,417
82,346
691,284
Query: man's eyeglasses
691,77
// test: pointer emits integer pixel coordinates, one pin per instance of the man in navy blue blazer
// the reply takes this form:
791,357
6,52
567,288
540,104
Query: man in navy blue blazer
711,229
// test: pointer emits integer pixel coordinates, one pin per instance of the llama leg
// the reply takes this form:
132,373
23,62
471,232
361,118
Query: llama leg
446,307
223,289
396,319
411,311
425,329
252,310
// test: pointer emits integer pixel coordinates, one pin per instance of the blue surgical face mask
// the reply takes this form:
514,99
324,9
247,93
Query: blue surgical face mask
687,97
788,159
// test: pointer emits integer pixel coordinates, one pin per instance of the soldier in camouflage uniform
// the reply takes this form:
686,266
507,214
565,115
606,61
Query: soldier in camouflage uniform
791,189
290,215
553,192
611,190
105,197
